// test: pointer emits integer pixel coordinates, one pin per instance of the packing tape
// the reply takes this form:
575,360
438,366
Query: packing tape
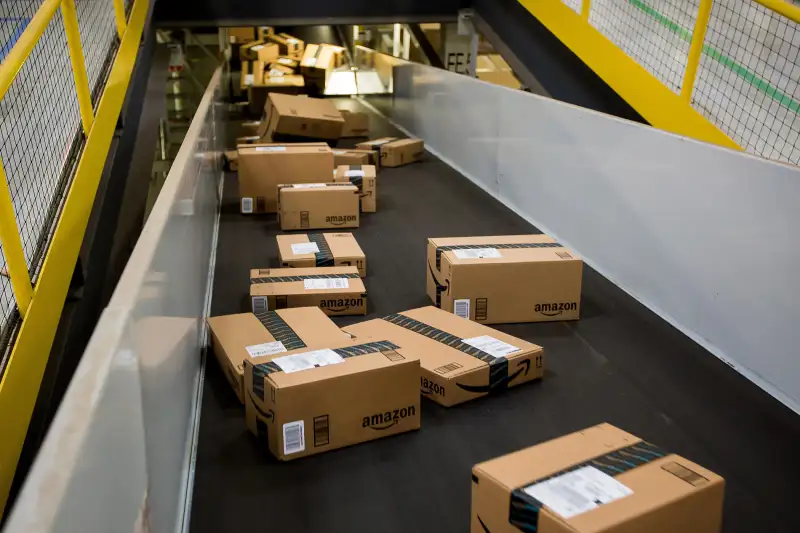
280,330
323,258
441,249
288,279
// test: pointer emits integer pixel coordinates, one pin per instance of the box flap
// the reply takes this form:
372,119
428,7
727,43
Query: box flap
498,249
343,245
402,142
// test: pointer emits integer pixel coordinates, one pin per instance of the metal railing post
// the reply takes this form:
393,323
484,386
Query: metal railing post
119,16
78,64
695,49
12,248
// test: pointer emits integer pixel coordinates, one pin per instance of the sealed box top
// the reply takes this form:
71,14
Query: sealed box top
321,56
353,172
303,246
598,479
375,143
278,149
317,280
497,249
304,107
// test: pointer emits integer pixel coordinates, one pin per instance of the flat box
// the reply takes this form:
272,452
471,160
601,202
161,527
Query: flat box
505,279
599,480
262,167
307,402
242,34
303,250
396,152
356,124
318,206
460,360
237,337
293,118
231,160
289,46
365,177
357,157
338,291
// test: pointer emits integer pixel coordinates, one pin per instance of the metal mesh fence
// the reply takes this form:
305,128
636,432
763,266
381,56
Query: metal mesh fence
575,5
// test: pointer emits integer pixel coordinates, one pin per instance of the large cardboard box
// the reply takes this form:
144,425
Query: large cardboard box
504,279
365,177
338,291
289,46
237,337
262,167
460,360
599,480
396,152
356,157
303,250
290,118
356,124
318,206
263,86
318,63
307,402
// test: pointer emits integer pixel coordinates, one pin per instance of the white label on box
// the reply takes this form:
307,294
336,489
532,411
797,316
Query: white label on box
270,148
292,40
308,185
294,437
247,205
306,360
267,348
490,345
478,253
578,491
461,308
286,61
248,79
276,72
339,152
354,174
260,304
378,143
305,248
257,47
326,283
275,79
311,62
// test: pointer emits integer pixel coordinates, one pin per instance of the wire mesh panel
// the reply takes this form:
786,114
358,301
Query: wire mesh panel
748,78
98,29
575,5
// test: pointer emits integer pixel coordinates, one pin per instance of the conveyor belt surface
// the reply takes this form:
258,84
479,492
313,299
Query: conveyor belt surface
620,364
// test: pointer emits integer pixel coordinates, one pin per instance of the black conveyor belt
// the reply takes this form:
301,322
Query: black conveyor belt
620,364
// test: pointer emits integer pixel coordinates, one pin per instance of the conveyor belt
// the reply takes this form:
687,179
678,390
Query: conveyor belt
620,363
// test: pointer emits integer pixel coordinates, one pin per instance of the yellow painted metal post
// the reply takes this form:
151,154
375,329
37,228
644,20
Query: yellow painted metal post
78,63
586,6
119,14
696,49
12,248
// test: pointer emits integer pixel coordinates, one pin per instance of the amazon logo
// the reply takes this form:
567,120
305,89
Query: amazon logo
338,220
523,367
428,387
383,421
555,309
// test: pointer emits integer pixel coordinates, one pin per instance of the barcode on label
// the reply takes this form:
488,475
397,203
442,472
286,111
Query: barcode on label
322,435
247,205
294,437
260,305
461,308
564,255
446,369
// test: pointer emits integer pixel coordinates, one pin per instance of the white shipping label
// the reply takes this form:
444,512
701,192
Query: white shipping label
326,283
257,47
354,174
247,205
292,40
478,253
248,79
270,148
311,62
286,61
578,491
268,348
308,185
339,152
276,72
490,345
294,437
306,360
305,248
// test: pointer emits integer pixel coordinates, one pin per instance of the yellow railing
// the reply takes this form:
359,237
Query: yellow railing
40,305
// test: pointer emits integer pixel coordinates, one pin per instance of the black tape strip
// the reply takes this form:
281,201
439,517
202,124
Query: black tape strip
441,249
317,54
287,279
323,258
523,511
358,181
439,288
280,330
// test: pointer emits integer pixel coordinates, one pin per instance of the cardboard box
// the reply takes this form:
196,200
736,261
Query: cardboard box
277,69
356,124
262,167
247,78
289,46
318,206
264,32
294,118
601,479
237,337
364,177
281,83
338,291
285,61
231,160
396,152
242,34
307,402
504,279
249,128
249,51
318,63
321,250
460,360
356,157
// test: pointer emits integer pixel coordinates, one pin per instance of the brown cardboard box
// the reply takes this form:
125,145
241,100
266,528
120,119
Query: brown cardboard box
289,46
249,51
263,167
461,360
285,61
266,52
307,402
356,157
356,124
237,337
301,250
249,128
242,34
285,84
318,206
396,152
247,78
599,480
338,291
318,63
510,278
247,140
277,69
292,118
264,32
232,160
364,177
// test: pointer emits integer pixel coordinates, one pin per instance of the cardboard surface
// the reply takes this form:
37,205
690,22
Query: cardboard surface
249,128
318,63
262,167
396,152
242,34
289,46
364,177
318,206
504,279
287,62
356,124
264,32
235,336
335,249
246,78
454,371
618,484
356,157
358,393
338,291
292,118
249,51
232,160
265,85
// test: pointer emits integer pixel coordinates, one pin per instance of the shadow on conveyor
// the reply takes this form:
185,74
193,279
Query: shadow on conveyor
620,364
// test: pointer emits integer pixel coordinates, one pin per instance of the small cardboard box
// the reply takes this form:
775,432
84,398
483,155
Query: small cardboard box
460,360
356,124
262,167
601,479
232,160
264,32
249,51
237,337
318,206
242,34
307,402
321,250
355,157
290,118
364,177
289,46
505,279
286,62
338,291
396,152
318,63
266,52
265,85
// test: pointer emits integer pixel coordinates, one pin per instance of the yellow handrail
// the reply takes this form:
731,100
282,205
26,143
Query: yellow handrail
12,248
78,63
586,8
696,49
119,16
782,7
